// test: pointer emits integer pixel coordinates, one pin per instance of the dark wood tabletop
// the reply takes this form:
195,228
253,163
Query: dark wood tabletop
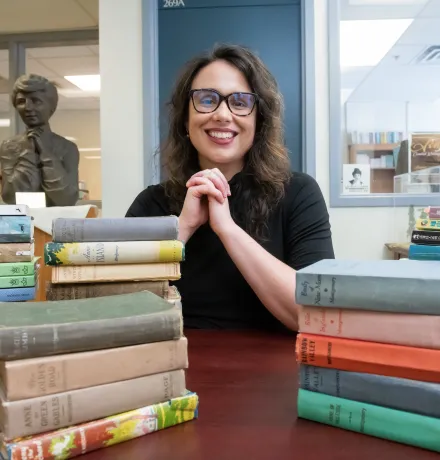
247,385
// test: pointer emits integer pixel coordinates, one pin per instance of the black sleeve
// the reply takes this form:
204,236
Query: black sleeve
308,235
149,203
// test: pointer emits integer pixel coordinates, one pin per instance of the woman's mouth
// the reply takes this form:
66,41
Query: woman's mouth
221,137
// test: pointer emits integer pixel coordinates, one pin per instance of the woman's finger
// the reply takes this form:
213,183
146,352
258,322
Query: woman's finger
216,177
223,179
203,186
215,180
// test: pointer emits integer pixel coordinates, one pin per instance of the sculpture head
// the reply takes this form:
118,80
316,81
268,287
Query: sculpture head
35,98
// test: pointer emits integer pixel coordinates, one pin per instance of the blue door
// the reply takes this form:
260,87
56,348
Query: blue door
272,28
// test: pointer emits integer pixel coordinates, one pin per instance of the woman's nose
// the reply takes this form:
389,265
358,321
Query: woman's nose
223,113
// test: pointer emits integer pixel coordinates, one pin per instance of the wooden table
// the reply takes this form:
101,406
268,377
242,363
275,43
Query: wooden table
398,250
247,384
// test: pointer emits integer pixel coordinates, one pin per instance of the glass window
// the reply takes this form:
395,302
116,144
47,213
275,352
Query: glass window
389,53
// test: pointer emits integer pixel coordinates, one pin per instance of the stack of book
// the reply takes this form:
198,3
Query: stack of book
18,266
103,257
79,375
425,239
369,348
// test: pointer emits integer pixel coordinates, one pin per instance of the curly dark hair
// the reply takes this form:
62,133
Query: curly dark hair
267,166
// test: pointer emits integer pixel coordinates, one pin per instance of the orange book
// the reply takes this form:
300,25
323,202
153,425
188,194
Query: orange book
369,357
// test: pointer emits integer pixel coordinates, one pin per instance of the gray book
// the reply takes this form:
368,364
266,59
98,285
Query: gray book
118,229
399,286
396,393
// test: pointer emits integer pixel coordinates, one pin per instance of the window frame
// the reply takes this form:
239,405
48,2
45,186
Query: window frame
337,199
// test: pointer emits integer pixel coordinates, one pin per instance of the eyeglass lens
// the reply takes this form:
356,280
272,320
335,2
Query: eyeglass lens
207,101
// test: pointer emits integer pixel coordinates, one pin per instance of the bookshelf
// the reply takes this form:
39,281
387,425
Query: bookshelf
382,177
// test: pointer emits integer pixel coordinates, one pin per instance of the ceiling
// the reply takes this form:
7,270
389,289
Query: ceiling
399,76
24,16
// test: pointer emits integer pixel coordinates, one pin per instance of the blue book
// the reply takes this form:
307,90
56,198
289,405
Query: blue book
17,294
396,393
400,286
16,229
423,252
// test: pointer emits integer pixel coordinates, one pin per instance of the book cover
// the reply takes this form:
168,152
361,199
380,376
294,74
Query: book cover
14,210
46,413
409,286
424,252
120,252
17,281
124,272
402,394
115,229
18,268
77,440
426,237
403,427
428,224
16,294
16,252
31,378
29,330
16,229
421,331
370,357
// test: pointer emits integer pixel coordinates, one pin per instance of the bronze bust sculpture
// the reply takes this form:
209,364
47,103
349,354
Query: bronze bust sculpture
38,160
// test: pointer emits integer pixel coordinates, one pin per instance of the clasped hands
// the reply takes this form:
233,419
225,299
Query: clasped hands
207,201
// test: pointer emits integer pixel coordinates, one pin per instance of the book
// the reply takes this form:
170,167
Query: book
29,330
31,378
18,268
16,252
16,229
17,281
47,413
123,272
382,422
14,210
16,294
423,252
370,357
409,286
426,237
89,290
434,212
115,229
120,252
373,326
402,394
77,440
428,224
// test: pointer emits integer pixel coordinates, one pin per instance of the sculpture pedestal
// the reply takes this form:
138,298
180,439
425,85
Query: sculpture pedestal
42,237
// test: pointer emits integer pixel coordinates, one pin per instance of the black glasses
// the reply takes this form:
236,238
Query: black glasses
209,100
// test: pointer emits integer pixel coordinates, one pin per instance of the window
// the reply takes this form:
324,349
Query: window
385,102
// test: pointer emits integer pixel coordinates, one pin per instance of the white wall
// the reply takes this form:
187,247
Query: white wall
357,232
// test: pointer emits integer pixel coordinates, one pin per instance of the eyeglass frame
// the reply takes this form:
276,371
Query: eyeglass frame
223,98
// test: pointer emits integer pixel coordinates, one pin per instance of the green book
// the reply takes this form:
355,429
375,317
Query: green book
18,268
29,330
395,425
17,281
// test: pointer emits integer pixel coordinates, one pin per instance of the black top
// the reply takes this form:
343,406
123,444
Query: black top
214,293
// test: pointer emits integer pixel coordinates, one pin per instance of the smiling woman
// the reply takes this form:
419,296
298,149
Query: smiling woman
247,221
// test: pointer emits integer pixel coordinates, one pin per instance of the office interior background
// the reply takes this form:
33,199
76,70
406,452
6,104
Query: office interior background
359,77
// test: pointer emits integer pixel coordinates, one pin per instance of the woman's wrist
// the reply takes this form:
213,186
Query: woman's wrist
185,232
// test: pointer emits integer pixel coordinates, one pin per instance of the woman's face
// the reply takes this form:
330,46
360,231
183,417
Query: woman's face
221,138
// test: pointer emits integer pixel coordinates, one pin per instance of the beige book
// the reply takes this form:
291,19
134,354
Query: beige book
16,252
31,378
123,272
47,413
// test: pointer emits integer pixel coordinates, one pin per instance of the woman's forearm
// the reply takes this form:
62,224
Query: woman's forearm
272,280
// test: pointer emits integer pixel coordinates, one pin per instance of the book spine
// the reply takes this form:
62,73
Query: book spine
46,413
19,294
16,252
368,293
424,252
123,272
369,357
402,394
31,378
434,212
17,281
403,427
98,434
121,252
17,269
398,328
90,290
428,224
16,229
123,229
431,237
14,210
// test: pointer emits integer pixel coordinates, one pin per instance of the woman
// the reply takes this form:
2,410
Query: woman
248,222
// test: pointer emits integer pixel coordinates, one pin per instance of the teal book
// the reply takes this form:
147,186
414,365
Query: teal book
381,422
18,268
16,229
395,286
